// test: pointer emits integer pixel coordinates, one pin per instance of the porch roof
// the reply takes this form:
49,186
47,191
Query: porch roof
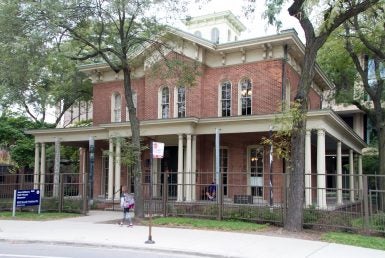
327,120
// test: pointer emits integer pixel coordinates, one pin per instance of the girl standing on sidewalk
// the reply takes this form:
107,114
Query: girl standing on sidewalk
127,202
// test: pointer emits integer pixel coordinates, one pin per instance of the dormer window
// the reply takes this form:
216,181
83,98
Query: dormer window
215,35
198,34
228,35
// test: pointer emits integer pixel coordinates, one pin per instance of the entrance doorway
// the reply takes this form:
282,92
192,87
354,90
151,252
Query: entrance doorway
169,166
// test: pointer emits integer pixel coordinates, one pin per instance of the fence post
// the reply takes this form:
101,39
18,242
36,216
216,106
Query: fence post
85,195
284,199
366,206
61,193
165,193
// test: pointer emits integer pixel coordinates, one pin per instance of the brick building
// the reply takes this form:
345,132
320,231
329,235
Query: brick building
244,84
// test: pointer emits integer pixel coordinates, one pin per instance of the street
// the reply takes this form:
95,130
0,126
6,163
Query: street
40,250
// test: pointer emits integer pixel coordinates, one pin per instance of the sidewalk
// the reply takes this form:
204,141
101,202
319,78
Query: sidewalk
97,229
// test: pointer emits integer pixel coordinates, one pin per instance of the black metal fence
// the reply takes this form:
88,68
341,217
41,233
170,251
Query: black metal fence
355,205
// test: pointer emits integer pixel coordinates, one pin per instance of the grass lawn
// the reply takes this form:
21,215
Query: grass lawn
27,215
226,225
230,225
356,240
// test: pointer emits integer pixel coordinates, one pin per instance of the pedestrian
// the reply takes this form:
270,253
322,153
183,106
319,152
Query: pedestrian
127,202
211,191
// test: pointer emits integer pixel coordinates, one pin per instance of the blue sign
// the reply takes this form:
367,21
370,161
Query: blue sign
27,197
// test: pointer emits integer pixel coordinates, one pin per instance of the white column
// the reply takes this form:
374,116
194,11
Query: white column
321,176
188,169
339,173
56,173
82,168
360,180
110,169
180,168
117,169
308,188
351,175
42,170
193,167
36,168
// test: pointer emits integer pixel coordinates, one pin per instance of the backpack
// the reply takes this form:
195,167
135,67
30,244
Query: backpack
128,201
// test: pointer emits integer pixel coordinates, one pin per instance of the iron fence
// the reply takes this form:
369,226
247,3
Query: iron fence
355,205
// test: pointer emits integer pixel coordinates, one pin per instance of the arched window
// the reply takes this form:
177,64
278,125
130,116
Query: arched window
245,97
165,105
215,35
225,98
181,101
198,33
116,107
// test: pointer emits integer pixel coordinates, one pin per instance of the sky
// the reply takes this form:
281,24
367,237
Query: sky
256,26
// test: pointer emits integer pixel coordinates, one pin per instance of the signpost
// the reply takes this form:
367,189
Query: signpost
156,152
23,198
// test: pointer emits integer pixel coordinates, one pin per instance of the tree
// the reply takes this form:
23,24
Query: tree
34,75
15,141
118,33
317,25
363,37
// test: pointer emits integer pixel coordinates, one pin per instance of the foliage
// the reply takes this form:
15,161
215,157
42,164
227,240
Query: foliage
34,75
283,124
14,140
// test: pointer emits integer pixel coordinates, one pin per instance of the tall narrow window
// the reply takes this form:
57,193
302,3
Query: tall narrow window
116,106
246,94
215,35
226,98
181,101
165,106
255,166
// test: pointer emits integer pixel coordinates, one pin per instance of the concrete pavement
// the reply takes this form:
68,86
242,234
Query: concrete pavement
97,229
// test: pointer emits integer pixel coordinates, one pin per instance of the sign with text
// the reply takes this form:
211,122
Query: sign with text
157,150
27,197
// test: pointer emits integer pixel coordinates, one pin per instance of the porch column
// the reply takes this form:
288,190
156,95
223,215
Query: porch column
180,168
351,175
36,168
56,172
82,172
117,170
193,167
308,188
321,176
360,180
187,177
339,173
110,170
42,170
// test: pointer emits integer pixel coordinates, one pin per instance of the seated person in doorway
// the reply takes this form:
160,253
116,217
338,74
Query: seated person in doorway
211,191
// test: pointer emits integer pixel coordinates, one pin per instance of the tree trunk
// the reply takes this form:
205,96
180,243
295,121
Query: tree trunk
381,153
135,132
294,215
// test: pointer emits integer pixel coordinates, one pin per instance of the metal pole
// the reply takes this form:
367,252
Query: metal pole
271,168
218,172
91,175
150,241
